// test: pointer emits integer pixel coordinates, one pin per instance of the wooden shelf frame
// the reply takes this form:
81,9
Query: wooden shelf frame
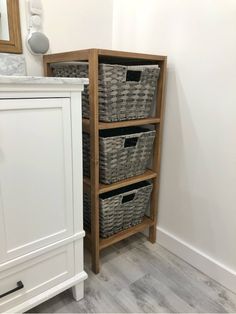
120,124
103,188
92,126
104,243
146,223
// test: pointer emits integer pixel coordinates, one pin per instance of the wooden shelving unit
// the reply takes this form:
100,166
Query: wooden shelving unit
92,126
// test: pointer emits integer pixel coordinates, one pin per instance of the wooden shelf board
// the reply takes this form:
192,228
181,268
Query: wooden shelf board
129,55
103,188
147,222
120,124
77,55
149,174
85,53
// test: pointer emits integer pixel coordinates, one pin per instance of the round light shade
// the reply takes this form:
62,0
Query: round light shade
38,43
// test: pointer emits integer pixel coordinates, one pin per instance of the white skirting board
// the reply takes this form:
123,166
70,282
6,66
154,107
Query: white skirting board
196,258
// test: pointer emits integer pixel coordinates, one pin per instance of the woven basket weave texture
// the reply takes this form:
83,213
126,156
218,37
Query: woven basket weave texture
120,210
123,154
125,92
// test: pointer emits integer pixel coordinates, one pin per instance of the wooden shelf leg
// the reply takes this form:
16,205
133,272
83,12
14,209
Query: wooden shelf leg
95,260
152,234
95,263
95,249
154,196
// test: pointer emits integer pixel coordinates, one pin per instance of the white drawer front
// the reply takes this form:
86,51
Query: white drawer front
36,188
37,275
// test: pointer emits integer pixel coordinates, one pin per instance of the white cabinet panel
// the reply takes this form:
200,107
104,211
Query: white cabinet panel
36,201
36,276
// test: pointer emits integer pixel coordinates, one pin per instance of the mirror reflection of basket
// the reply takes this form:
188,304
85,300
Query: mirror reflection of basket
124,153
119,209
125,92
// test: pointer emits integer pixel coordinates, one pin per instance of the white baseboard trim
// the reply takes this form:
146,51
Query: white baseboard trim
198,259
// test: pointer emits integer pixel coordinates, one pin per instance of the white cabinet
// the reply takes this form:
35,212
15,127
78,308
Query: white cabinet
41,233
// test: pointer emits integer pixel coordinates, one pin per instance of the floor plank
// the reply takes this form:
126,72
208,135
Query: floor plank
140,277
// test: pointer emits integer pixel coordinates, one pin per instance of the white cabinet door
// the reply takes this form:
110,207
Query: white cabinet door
36,201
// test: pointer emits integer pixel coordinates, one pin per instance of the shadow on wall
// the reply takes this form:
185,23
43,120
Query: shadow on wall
181,208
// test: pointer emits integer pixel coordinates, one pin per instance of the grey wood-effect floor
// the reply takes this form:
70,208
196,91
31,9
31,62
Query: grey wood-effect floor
140,277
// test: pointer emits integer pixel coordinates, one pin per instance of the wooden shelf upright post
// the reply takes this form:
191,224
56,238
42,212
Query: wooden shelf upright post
94,162
160,103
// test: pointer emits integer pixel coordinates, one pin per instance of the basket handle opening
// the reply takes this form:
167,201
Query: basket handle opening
131,142
128,197
133,76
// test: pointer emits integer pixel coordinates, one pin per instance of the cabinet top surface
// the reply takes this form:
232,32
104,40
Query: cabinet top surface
37,80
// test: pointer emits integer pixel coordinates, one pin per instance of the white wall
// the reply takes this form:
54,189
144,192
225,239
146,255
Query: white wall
70,25
197,214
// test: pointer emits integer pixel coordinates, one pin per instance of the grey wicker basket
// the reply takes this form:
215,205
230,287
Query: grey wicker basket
125,92
119,209
124,153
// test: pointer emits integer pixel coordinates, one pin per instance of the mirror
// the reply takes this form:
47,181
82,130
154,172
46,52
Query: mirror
10,35
4,29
